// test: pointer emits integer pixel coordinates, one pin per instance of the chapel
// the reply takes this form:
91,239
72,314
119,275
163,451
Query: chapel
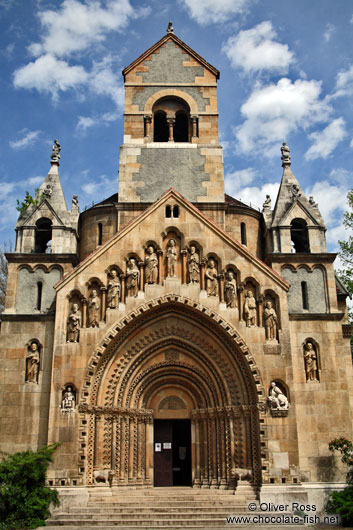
172,335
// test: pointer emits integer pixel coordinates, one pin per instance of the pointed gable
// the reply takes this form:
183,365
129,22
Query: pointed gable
163,61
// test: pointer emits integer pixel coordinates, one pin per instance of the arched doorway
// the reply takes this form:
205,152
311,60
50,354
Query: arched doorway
173,363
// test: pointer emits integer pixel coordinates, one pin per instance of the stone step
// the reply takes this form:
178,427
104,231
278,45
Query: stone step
139,515
154,523
156,509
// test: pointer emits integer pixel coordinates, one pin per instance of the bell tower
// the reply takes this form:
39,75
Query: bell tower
171,126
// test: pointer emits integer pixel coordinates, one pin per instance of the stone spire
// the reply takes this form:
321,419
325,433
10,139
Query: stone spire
170,28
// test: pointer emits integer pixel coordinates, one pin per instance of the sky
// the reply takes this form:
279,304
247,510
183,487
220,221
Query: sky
286,75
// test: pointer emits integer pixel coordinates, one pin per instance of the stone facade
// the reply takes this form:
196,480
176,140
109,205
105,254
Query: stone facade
172,301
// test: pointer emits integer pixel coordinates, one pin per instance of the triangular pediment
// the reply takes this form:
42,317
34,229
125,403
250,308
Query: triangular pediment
39,211
181,44
147,226
297,209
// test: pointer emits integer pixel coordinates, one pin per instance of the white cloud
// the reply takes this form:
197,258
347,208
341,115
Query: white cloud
100,187
85,122
213,12
48,74
274,111
28,139
35,181
255,50
104,81
351,144
331,200
342,176
76,25
326,141
329,31
235,180
344,83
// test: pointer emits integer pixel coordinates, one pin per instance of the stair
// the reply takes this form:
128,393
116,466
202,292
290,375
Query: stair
155,509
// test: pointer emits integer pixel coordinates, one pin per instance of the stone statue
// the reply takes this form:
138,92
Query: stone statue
170,28
55,154
47,192
69,400
194,265
250,309
312,202
32,363
74,324
270,317
310,359
285,155
132,278
277,399
151,266
93,309
211,278
295,190
230,290
267,203
171,258
74,203
113,294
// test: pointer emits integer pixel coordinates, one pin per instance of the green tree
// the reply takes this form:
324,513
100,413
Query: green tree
28,200
24,497
346,254
341,502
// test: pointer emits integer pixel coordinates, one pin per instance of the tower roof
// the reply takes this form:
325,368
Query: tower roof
171,36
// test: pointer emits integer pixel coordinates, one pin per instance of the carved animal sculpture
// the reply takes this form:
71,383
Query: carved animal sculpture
242,473
103,475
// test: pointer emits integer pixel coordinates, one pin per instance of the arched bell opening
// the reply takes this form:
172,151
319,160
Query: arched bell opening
171,120
43,235
173,363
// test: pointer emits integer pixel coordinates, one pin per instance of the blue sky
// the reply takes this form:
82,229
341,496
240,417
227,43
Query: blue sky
286,75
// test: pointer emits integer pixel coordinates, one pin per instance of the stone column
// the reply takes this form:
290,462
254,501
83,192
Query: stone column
241,302
197,470
142,270
122,283
184,255
194,126
104,302
84,312
221,287
148,121
171,122
202,276
160,266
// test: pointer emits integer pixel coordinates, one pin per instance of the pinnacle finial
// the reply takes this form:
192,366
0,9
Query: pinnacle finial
170,28
55,153
285,155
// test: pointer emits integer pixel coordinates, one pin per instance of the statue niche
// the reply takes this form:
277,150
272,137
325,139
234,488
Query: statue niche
68,401
193,265
93,309
73,323
132,277
250,309
230,289
270,321
311,363
32,362
113,290
172,254
277,400
211,278
151,265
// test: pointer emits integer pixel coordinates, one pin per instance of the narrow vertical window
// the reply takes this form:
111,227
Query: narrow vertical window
168,211
243,233
100,233
305,295
39,295
175,211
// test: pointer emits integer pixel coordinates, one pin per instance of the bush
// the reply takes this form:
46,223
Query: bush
341,502
24,497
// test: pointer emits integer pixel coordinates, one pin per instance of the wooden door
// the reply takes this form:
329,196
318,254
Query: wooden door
163,453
